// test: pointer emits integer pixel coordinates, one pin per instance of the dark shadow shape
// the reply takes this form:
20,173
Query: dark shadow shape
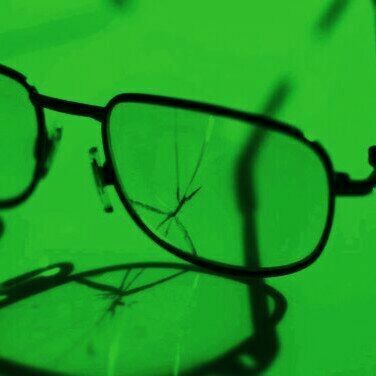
230,362
264,345
12,368
9,367
32,283
52,33
120,4
278,97
331,16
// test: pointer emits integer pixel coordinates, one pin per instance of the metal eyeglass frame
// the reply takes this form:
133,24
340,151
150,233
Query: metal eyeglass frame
340,184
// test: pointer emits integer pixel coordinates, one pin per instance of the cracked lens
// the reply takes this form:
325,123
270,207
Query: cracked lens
171,216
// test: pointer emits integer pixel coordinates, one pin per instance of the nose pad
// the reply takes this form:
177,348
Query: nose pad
49,148
101,180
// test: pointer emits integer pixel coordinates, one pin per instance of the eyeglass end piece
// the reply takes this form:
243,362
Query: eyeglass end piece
372,156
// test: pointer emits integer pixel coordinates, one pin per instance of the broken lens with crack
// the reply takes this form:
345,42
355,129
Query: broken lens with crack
217,186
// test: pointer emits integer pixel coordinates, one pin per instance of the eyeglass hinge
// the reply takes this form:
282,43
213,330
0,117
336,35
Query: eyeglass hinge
345,186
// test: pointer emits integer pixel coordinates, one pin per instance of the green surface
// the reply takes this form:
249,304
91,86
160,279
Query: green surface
238,56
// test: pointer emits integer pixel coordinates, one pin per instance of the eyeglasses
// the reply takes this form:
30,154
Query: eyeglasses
227,190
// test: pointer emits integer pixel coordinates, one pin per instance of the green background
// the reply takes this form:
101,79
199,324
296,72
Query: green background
234,54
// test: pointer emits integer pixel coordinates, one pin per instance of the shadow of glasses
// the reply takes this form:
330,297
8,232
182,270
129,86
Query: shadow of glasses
40,281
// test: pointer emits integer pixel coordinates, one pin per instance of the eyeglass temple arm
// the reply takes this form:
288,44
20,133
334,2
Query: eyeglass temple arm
345,186
69,107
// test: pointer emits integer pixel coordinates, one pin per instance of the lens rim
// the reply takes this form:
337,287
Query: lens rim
256,119
41,141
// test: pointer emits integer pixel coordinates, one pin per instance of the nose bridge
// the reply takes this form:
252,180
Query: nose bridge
97,113
103,175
